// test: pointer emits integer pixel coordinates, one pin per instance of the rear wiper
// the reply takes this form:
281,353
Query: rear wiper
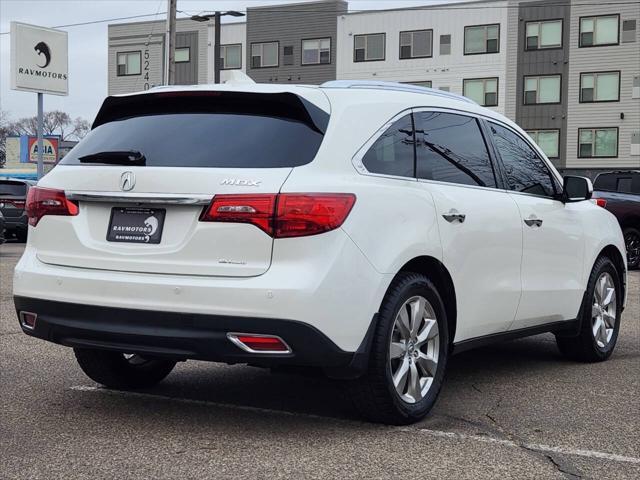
131,157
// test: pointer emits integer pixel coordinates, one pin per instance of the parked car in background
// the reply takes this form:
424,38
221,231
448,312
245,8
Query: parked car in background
13,197
367,229
619,192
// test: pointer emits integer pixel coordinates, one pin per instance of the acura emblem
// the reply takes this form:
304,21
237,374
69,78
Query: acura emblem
127,181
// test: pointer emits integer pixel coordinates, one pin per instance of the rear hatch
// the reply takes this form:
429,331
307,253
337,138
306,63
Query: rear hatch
152,164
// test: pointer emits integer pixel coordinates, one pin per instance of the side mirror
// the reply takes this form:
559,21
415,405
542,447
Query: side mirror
576,189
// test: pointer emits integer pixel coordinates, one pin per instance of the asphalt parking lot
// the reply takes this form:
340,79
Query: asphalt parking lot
516,410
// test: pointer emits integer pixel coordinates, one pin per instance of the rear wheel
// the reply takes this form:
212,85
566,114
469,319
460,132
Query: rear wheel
600,316
21,235
122,371
632,242
408,354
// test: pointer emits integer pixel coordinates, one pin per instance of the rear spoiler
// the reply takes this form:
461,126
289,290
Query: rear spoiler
281,105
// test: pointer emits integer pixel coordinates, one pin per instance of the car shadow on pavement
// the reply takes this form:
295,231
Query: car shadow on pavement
312,394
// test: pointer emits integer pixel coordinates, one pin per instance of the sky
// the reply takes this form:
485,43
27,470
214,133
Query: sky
88,43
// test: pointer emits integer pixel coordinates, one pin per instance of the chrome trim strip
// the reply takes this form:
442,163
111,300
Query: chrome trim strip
233,338
147,198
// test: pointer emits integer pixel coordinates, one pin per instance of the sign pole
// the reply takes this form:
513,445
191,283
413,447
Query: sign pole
40,127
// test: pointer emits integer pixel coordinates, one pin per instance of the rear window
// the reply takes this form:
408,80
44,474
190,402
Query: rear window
618,182
15,189
207,130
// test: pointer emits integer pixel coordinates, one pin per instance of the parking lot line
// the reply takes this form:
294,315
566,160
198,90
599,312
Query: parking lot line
434,433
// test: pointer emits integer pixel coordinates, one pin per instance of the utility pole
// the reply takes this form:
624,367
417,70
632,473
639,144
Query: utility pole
170,44
216,48
217,60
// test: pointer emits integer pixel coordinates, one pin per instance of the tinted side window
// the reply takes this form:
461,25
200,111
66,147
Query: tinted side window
393,152
526,171
451,149
605,181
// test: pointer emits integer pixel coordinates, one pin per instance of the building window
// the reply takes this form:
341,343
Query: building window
316,51
483,91
287,55
481,39
416,44
598,31
445,44
543,89
182,55
425,83
231,56
600,87
597,142
629,31
369,48
129,63
545,34
264,54
547,140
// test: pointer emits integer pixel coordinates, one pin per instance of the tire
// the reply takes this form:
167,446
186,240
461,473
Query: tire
632,243
122,372
21,236
374,394
596,344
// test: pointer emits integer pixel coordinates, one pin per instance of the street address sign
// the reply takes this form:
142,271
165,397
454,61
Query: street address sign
39,59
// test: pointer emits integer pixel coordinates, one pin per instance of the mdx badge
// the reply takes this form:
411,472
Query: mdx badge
127,181
240,183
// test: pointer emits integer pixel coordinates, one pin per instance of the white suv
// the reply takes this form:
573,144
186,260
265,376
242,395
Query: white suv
368,229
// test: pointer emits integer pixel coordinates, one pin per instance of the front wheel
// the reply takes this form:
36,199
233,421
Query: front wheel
632,243
408,355
122,371
600,316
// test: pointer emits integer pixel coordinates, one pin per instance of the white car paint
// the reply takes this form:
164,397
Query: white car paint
505,275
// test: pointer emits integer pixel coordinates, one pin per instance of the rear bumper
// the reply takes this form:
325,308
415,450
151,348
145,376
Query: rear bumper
185,335
14,224
328,285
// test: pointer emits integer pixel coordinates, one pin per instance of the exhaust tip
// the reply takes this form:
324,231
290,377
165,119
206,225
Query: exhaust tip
256,343
28,320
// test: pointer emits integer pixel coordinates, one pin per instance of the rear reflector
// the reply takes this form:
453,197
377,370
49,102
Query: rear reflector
254,343
283,215
28,320
601,202
47,201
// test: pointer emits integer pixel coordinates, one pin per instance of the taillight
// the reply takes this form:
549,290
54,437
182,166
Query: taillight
283,215
254,209
47,201
601,202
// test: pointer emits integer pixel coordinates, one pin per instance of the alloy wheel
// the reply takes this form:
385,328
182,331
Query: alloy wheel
632,242
603,314
414,349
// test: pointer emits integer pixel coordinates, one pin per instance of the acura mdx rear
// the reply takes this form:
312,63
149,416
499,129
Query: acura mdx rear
165,236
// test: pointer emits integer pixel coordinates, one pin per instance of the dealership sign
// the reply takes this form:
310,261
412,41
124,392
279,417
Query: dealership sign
39,59
49,149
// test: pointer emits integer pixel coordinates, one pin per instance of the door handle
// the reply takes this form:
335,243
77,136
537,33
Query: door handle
533,221
454,216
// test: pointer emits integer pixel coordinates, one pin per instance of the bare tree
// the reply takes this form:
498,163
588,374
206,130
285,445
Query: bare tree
55,122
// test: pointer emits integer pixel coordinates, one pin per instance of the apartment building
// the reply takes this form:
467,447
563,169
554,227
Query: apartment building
294,42
461,49
603,109
568,72
137,53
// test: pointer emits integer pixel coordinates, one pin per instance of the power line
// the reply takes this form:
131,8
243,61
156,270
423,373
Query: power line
283,9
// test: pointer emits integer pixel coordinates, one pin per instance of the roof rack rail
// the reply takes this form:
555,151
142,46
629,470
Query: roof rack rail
401,87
